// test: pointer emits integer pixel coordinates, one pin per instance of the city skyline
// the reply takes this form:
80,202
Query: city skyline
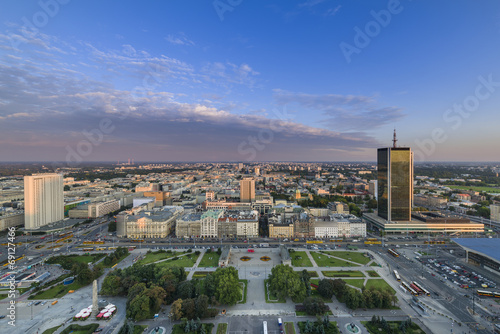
315,80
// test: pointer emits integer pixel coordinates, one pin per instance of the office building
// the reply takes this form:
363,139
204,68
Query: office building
103,208
495,212
43,200
395,182
247,190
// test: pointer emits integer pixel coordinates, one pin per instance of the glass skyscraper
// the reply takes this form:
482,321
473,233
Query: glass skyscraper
395,183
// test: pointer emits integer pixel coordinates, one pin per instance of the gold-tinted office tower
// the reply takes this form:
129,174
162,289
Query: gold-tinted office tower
247,190
395,182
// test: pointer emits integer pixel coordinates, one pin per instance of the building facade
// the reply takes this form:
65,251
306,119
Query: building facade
395,183
247,190
43,200
495,212
103,208
209,223
11,219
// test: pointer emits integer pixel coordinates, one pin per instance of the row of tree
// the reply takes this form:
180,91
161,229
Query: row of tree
367,298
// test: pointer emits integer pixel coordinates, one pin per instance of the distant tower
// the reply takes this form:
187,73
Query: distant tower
394,140
95,306
247,190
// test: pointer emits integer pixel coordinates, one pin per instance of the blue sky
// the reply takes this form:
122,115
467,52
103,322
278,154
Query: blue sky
241,80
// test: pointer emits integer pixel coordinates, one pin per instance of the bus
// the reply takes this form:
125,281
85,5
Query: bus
264,325
485,293
417,290
424,291
131,248
373,242
314,241
398,278
409,288
393,252
87,249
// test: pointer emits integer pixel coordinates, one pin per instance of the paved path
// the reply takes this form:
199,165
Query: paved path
315,265
193,269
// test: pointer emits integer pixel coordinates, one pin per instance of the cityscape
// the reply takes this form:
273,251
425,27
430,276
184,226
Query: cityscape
232,167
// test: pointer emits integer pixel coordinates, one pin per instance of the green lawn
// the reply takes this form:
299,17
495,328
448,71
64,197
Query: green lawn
56,291
289,328
243,282
157,256
379,284
313,273
201,274
274,299
345,273
475,188
183,261
374,264
51,330
3,296
300,259
373,273
357,257
358,283
179,329
77,329
222,328
325,261
375,329
209,260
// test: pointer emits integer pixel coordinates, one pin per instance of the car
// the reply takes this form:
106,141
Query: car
37,303
99,330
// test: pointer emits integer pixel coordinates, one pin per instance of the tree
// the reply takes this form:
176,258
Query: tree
85,276
315,305
176,309
67,188
201,306
285,282
227,286
188,308
326,288
139,308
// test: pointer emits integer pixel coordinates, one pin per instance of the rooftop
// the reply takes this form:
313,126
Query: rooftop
485,246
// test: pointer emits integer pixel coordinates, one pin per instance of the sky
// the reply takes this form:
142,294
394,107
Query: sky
249,81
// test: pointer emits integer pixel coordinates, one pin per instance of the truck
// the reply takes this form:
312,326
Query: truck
264,245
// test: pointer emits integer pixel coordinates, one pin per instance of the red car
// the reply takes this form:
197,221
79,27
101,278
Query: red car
251,250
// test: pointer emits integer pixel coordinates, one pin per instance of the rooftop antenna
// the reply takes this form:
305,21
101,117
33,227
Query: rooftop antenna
394,140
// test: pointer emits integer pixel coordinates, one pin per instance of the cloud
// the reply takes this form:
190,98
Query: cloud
343,112
181,39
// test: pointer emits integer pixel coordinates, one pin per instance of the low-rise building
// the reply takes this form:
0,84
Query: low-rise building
103,208
15,218
188,225
152,224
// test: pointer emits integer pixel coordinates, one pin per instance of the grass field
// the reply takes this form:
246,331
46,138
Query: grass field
300,259
201,274
313,273
326,261
414,329
157,256
357,257
345,273
243,287
372,273
274,299
374,264
332,330
56,291
358,283
474,188
379,284
3,296
289,328
209,260
183,261
221,328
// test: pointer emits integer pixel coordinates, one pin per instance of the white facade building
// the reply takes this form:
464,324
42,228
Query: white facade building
43,200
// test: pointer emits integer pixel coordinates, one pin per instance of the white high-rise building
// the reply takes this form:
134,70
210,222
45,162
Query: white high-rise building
43,200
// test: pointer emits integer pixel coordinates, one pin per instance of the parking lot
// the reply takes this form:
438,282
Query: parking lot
459,275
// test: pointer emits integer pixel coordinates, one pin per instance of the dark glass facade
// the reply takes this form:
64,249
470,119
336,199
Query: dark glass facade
382,182
395,183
